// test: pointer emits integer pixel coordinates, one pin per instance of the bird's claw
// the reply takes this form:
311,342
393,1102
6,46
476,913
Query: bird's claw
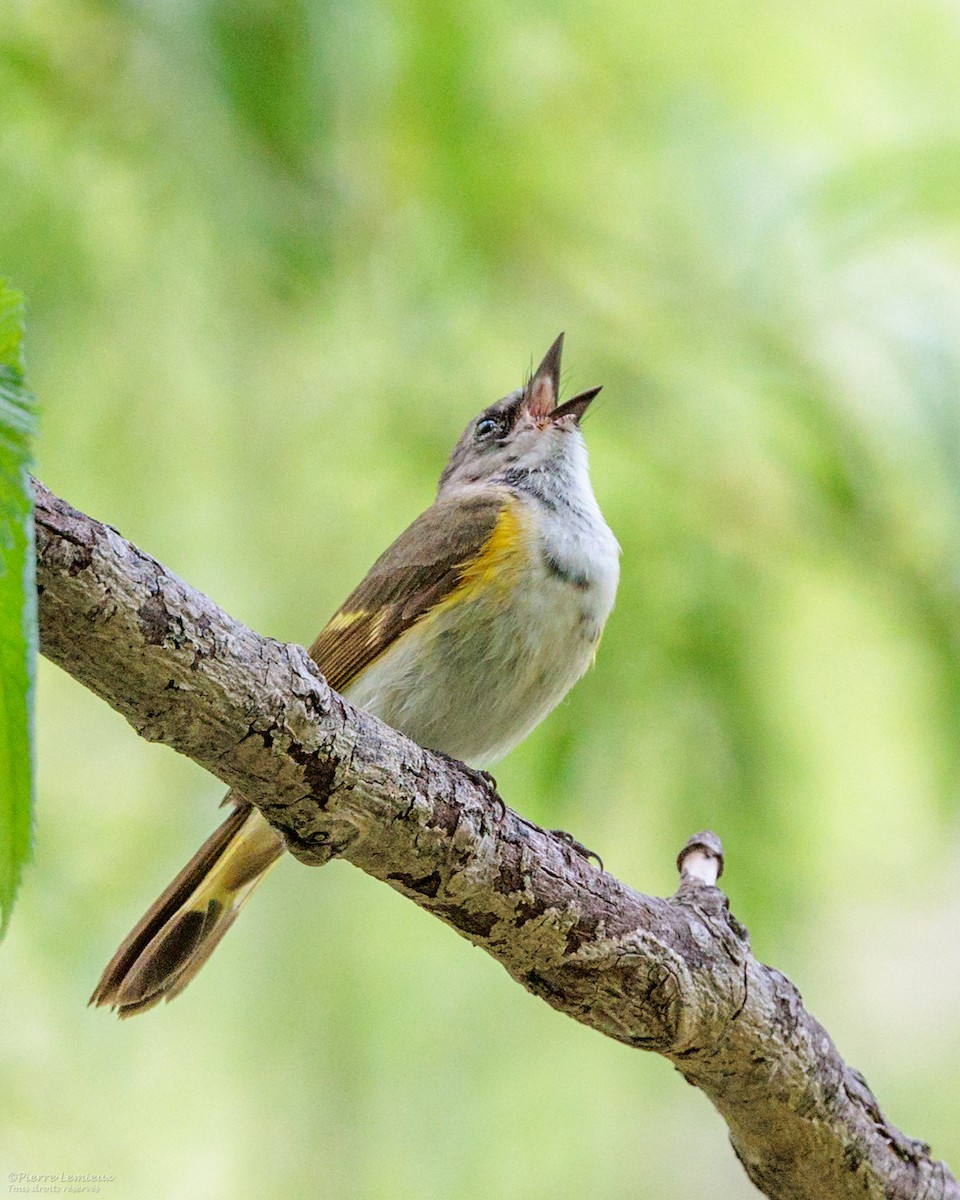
490,785
569,840
483,779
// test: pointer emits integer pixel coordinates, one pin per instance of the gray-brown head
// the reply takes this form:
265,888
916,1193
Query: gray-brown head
525,431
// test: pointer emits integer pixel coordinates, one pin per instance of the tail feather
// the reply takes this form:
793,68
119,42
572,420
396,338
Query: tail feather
180,931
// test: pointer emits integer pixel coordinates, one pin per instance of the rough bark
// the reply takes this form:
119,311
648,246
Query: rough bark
672,975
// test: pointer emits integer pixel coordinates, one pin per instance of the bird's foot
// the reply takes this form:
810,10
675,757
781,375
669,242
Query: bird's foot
578,847
483,779
490,783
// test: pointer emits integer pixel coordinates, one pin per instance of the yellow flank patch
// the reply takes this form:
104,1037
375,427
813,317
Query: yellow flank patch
498,563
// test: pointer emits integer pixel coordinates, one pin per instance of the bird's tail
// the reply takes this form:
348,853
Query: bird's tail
180,931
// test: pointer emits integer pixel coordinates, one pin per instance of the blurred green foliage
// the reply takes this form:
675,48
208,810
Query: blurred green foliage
18,649
276,257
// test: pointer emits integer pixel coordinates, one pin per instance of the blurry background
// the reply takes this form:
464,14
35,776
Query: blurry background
276,256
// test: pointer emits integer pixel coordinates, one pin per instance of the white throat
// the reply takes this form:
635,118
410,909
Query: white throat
574,535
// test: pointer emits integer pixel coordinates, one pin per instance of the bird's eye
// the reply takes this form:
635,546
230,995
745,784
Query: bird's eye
487,427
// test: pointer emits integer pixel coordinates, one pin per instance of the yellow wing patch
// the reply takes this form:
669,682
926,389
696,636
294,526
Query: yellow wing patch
344,619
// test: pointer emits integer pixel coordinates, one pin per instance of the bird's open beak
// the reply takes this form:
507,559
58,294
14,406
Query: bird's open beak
540,395
576,406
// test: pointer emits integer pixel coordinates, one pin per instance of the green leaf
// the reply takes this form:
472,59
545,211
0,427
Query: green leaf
18,620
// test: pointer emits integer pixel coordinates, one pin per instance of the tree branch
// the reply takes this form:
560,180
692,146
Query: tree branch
676,976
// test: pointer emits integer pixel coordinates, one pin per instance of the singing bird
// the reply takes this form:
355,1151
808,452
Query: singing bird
464,635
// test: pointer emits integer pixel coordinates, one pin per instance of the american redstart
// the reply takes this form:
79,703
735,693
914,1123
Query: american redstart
464,634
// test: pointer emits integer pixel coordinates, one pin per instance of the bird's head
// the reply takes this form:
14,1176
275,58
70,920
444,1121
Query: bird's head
525,431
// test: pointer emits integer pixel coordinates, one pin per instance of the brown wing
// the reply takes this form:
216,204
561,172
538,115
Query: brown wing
423,565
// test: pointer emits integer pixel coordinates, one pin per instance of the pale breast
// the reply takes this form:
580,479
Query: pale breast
475,677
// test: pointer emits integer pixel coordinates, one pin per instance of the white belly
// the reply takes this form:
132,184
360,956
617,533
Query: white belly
473,679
